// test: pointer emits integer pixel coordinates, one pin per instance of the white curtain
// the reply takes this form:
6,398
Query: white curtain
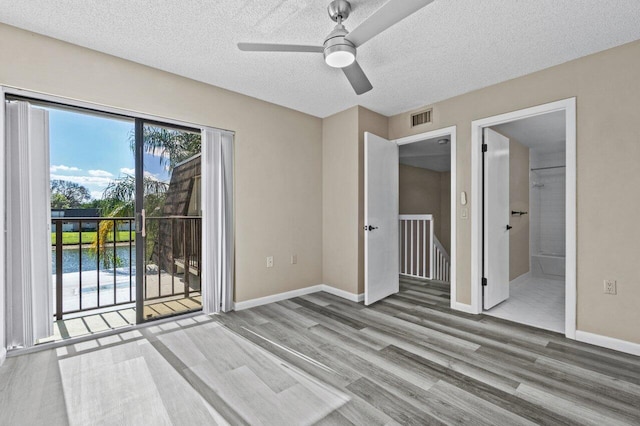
29,282
218,227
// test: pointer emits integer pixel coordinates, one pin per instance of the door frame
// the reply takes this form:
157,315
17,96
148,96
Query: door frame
451,132
477,126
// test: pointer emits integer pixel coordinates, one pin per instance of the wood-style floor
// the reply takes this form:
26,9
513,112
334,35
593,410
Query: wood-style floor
319,359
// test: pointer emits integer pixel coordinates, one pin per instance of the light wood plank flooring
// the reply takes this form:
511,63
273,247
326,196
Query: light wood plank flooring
319,359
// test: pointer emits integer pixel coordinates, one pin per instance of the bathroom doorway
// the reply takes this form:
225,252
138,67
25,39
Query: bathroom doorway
523,223
535,220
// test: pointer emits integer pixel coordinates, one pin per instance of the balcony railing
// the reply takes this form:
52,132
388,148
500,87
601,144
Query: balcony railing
177,248
84,281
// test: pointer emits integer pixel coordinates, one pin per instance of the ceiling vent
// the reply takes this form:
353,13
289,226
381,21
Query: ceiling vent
422,117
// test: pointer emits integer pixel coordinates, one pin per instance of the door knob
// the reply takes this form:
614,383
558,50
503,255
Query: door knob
370,228
509,227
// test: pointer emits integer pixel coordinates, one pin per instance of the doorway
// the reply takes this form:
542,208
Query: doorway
384,225
425,209
523,222
119,241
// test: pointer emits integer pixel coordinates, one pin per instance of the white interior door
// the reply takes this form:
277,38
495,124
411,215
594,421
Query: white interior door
496,218
381,245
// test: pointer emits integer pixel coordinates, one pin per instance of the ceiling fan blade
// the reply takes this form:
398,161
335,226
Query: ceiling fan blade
269,47
357,78
388,15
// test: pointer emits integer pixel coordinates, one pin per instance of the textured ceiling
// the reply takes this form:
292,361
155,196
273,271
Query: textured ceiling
427,154
542,133
446,49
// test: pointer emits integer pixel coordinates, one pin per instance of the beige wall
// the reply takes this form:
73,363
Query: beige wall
519,201
340,218
343,195
445,211
420,191
425,191
278,151
608,139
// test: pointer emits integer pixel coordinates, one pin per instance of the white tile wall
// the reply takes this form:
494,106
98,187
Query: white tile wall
547,204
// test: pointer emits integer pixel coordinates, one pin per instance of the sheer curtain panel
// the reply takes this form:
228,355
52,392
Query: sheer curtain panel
218,226
29,311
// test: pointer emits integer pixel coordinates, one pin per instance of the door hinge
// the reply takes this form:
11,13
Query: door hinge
484,147
484,282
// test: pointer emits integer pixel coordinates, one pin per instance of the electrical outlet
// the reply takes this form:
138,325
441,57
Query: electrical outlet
610,287
294,259
270,262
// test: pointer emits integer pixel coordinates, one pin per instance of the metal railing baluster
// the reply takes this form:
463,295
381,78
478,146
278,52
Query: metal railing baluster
159,259
98,263
59,272
173,262
115,256
130,263
80,266
186,259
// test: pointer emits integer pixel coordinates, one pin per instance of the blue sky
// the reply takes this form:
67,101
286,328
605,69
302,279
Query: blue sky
93,150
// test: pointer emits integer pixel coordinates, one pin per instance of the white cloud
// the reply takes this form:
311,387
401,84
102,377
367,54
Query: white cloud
151,176
96,195
63,168
128,171
96,181
100,173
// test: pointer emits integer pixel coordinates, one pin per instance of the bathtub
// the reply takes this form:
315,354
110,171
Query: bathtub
548,265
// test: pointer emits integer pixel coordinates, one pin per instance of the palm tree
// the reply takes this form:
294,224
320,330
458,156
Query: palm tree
171,147
119,201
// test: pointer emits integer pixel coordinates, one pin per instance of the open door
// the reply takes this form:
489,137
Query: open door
381,267
496,218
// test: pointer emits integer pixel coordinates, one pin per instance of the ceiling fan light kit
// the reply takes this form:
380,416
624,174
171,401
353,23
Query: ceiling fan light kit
339,47
338,52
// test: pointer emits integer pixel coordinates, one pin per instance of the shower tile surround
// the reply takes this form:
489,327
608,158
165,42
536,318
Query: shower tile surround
547,220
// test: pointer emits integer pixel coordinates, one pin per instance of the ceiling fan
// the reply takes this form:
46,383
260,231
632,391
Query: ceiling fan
340,45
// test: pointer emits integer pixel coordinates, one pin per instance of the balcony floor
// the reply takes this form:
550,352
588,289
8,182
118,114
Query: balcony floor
99,320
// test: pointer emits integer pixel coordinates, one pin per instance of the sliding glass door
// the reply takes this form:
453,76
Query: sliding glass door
115,237
168,203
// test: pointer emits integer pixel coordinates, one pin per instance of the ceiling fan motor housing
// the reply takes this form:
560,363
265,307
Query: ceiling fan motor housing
336,42
339,9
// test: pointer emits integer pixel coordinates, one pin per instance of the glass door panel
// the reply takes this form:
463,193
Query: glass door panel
171,210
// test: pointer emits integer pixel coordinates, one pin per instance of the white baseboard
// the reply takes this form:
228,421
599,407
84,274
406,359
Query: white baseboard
238,306
344,294
521,278
3,355
608,342
462,307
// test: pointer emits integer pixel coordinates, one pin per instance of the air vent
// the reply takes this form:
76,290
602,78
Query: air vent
422,117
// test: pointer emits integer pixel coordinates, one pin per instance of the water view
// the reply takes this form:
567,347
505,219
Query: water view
71,259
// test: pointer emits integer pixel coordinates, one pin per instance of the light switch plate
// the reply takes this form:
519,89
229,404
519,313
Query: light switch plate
270,262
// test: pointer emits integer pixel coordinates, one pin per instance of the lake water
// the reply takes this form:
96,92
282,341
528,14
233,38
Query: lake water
71,259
